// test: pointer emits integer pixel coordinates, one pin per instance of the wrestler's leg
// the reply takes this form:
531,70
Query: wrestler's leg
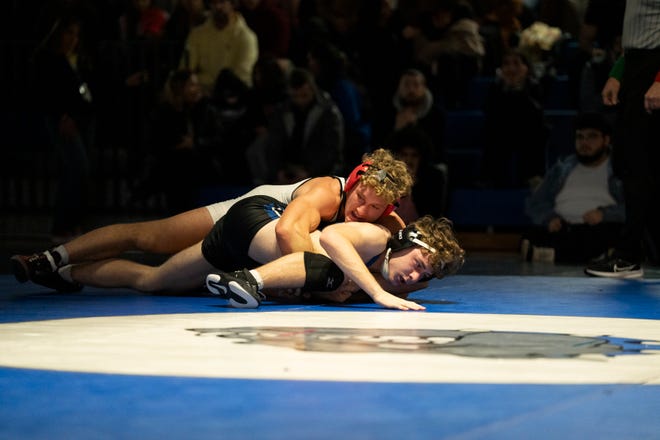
184,271
264,248
283,278
163,236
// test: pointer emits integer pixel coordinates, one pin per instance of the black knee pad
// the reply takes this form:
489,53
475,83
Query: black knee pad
321,274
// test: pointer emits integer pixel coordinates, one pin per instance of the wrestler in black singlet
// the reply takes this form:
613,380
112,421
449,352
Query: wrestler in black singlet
226,246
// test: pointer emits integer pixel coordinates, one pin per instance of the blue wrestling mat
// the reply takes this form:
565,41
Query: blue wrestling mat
493,357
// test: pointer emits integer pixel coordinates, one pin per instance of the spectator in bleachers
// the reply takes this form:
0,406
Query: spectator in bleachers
563,14
137,71
184,142
600,47
412,146
330,68
186,15
514,128
601,26
413,105
383,53
304,137
271,25
142,20
448,47
578,210
40,17
268,93
235,128
337,24
223,41
305,23
269,90
539,43
63,81
141,27
500,26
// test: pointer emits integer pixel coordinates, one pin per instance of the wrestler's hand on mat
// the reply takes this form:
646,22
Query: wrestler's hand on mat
390,301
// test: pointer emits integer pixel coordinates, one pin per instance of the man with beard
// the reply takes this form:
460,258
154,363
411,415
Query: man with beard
578,209
223,41
305,135
413,105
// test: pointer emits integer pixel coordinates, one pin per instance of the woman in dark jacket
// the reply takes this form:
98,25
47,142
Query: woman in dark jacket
515,132
64,98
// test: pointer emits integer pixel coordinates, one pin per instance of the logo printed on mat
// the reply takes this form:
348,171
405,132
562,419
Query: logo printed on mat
486,344
345,346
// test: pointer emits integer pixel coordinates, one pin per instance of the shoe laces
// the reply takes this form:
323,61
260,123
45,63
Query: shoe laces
41,262
249,278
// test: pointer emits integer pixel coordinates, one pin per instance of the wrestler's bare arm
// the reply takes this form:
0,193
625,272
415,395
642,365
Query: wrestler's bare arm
349,245
348,288
403,290
316,200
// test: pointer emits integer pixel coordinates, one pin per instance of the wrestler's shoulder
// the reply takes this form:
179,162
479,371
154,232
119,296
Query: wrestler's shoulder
319,185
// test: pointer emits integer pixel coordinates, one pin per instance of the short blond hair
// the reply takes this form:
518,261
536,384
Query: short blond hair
389,177
439,234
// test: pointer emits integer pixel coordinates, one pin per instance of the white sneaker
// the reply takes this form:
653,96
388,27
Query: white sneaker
543,254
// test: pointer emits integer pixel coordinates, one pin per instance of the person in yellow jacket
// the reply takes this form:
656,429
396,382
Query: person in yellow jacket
223,41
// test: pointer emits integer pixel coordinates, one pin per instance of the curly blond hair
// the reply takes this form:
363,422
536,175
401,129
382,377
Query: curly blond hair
388,176
439,234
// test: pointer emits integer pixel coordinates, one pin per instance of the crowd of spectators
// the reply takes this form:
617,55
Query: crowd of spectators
239,89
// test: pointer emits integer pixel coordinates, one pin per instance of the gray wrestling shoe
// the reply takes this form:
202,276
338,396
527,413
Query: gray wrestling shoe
239,287
26,267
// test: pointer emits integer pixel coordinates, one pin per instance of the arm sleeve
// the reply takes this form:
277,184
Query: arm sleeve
540,206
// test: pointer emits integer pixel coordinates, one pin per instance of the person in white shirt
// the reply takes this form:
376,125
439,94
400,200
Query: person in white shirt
578,210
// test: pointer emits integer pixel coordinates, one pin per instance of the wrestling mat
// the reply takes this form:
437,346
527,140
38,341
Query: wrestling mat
493,357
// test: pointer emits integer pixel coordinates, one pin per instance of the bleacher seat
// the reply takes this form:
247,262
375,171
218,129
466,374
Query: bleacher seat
477,92
464,145
557,94
560,139
488,207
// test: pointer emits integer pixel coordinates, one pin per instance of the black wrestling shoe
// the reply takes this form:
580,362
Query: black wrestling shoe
614,268
53,280
216,286
25,267
239,287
